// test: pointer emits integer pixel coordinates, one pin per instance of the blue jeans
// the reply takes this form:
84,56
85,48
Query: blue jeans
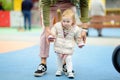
27,17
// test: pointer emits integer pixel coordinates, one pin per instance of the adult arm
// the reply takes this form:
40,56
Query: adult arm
84,18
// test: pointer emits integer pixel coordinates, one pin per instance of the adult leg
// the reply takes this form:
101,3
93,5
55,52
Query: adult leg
99,32
44,46
25,19
44,53
29,19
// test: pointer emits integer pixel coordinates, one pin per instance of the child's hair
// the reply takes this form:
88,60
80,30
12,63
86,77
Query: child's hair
69,13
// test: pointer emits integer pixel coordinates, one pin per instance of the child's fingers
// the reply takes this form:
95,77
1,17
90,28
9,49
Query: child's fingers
51,38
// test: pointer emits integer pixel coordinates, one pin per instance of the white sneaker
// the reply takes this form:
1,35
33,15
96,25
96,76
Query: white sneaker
41,70
58,73
65,70
71,75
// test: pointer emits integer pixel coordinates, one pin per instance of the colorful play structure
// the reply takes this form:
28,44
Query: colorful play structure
14,17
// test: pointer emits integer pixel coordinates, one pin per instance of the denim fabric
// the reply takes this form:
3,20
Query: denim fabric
27,17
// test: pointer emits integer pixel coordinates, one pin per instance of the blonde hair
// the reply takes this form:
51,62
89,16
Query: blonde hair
69,13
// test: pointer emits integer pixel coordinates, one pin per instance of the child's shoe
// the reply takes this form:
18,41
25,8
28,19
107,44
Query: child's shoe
58,73
42,68
65,70
71,75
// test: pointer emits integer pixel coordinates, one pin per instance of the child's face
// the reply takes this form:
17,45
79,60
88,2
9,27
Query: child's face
67,22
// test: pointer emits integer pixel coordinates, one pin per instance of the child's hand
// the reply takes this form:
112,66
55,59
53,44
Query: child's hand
51,38
81,44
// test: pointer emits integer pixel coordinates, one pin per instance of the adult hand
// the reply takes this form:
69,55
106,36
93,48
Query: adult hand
85,25
83,36
84,32
47,34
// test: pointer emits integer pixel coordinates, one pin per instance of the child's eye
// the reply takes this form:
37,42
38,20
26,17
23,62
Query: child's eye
63,20
68,21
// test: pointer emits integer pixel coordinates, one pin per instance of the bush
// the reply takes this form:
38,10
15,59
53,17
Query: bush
7,4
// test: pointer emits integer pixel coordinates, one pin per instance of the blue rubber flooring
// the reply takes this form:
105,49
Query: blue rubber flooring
89,63
106,32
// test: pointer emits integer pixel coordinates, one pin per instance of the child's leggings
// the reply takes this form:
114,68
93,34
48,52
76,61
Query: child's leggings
68,60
